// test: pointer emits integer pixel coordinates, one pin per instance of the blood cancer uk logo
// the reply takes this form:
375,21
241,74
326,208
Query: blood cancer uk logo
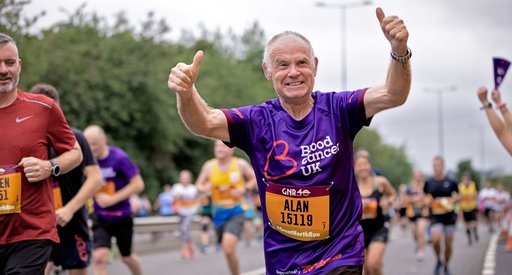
315,152
282,165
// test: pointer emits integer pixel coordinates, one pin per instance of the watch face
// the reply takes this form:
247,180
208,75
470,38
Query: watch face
55,168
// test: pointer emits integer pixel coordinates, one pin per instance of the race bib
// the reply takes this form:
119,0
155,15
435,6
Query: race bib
221,196
370,206
10,190
409,211
468,198
186,203
108,188
57,195
441,206
300,213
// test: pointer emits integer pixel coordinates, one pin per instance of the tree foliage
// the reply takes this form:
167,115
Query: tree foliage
116,77
391,161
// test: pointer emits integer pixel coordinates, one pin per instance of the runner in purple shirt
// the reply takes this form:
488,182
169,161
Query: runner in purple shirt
300,146
112,212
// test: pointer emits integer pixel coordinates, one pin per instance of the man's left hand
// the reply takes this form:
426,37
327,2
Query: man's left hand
395,31
104,200
35,169
63,216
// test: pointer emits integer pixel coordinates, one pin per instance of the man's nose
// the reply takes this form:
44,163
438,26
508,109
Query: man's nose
3,68
293,71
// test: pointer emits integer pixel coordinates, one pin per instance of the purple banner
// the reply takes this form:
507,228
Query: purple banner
500,69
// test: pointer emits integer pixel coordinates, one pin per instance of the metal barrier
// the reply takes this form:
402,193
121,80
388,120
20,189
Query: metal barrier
157,225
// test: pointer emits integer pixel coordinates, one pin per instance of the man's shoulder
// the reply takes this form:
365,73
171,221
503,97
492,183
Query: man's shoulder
116,151
38,99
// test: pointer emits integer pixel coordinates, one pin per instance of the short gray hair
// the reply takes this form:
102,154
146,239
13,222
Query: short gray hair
266,53
4,38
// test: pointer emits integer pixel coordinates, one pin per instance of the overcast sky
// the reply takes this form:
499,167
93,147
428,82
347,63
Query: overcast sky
453,43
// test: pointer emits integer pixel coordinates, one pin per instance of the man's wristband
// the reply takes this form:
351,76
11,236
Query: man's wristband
487,106
402,59
501,105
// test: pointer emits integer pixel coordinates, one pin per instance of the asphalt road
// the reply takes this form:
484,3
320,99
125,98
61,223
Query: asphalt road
399,258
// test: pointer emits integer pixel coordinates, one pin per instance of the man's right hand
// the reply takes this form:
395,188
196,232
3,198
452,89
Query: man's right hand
482,95
183,76
496,97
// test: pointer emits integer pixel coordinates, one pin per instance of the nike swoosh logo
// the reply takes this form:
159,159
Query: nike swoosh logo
18,120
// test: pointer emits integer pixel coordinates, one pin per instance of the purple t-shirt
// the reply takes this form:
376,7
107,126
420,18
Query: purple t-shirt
310,199
117,170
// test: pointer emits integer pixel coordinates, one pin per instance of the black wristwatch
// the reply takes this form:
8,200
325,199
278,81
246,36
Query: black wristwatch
486,106
55,168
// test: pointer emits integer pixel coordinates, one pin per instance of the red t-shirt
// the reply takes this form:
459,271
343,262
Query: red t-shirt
29,126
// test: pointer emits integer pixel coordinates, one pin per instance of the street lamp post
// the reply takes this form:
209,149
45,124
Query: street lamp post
440,118
343,8
481,134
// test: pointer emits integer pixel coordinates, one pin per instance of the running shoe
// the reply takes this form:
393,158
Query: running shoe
420,256
439,266
447,271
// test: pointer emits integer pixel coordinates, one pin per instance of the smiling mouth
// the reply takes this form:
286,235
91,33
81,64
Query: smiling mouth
294,84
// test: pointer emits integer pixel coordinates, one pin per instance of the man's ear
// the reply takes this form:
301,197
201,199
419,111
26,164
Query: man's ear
266,71
316,65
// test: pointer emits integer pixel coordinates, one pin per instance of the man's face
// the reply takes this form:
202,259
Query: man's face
362,167
418,176
185,177
97,144
293,70
438,167
221,151
10,67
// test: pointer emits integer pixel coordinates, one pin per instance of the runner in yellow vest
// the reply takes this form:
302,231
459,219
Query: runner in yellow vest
227,178
468,193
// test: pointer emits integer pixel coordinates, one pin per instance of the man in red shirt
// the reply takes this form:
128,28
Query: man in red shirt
30,125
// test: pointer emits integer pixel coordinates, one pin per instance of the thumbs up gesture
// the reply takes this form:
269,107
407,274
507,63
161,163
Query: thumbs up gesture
183,76
395,32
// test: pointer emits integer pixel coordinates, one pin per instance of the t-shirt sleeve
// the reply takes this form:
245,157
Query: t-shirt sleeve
352,107
238,125
425,188
128,168
60,135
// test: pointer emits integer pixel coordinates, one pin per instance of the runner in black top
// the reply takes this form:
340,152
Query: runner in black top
377,195
442,192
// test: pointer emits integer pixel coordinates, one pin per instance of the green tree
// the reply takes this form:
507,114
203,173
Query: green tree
505,181
391,161
116,77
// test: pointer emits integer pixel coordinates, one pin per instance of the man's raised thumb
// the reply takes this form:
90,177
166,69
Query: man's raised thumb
198,58
380,14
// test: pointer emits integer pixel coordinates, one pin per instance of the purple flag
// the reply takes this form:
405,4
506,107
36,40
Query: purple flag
500,69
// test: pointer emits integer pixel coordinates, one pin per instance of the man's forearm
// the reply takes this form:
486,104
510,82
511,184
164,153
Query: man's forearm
135,185
507,117
69,159
90,186
194,112
398,82
201,119
497,124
